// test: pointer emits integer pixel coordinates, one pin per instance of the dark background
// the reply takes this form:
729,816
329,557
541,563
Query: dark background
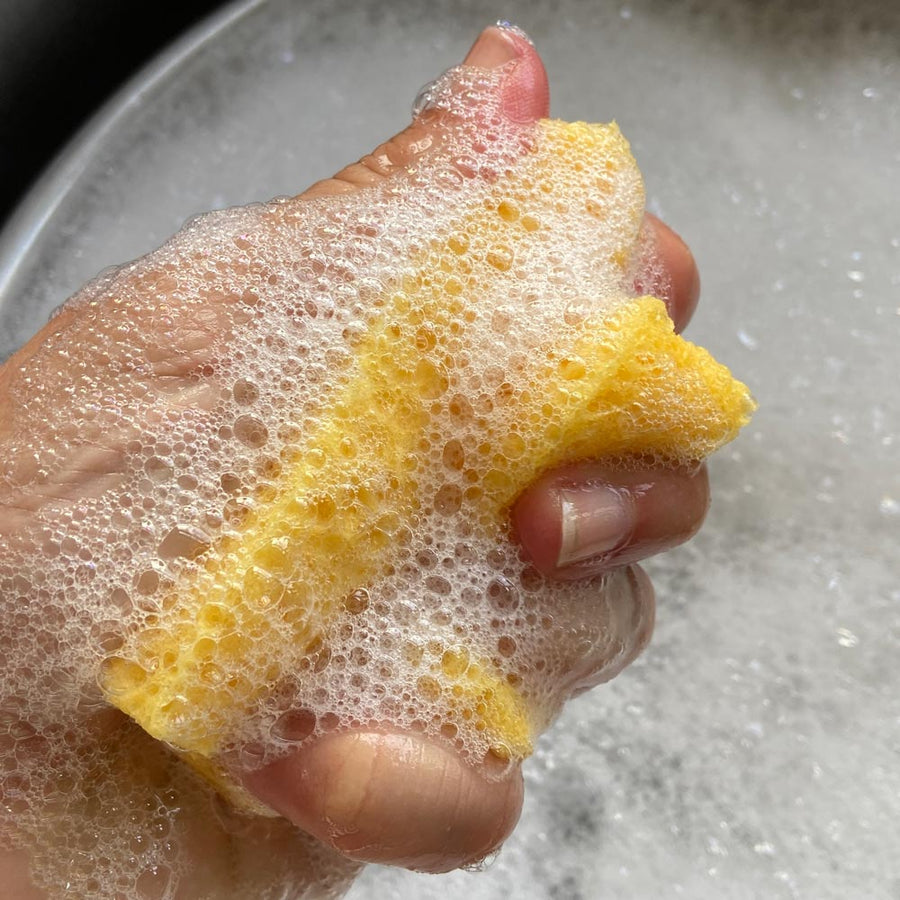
59,61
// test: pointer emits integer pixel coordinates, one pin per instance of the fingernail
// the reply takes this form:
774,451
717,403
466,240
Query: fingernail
494,47
524,95
513,29
595,520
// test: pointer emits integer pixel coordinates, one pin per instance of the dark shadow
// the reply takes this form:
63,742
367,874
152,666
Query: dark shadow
60,61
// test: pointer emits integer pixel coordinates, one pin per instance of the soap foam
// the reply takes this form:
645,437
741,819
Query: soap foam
195,375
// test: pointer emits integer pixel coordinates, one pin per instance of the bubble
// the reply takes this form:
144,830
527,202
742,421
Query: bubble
251,431
183,541
502,594
245,392
501,256
357,601
158,469
295,726
448,499
424,98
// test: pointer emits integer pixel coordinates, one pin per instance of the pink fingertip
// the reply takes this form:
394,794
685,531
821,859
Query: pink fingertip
526,94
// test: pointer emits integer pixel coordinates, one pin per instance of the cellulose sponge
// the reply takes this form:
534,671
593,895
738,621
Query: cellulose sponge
418,353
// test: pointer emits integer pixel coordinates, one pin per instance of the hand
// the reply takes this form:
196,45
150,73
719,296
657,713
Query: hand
374,796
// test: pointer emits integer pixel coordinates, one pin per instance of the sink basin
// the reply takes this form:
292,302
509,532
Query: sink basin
752,751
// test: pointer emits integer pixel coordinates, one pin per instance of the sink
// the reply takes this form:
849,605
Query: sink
753,750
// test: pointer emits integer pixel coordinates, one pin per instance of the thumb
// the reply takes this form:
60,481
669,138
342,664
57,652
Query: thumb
394,798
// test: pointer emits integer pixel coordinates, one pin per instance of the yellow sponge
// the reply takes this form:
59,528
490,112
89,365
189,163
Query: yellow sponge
616,381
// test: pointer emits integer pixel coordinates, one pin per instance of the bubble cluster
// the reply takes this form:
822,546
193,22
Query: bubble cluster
259,490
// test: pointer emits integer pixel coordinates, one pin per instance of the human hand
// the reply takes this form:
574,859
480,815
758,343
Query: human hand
374,795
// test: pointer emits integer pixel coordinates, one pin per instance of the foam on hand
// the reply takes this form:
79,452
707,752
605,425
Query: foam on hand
315,536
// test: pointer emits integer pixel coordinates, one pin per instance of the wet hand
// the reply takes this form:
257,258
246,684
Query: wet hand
373,795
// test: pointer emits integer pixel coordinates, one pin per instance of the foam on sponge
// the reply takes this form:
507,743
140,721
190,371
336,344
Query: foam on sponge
617,382
274,501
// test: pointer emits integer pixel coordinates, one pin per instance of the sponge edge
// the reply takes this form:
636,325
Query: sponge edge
633,386
407,439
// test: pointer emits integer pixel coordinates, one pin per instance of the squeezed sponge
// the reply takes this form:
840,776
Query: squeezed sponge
429,420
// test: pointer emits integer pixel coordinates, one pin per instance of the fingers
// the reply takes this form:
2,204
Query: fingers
593,636
400,799
392,798
586,518
669,271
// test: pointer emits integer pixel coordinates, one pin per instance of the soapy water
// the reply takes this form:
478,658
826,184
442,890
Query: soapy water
749,753
240,331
